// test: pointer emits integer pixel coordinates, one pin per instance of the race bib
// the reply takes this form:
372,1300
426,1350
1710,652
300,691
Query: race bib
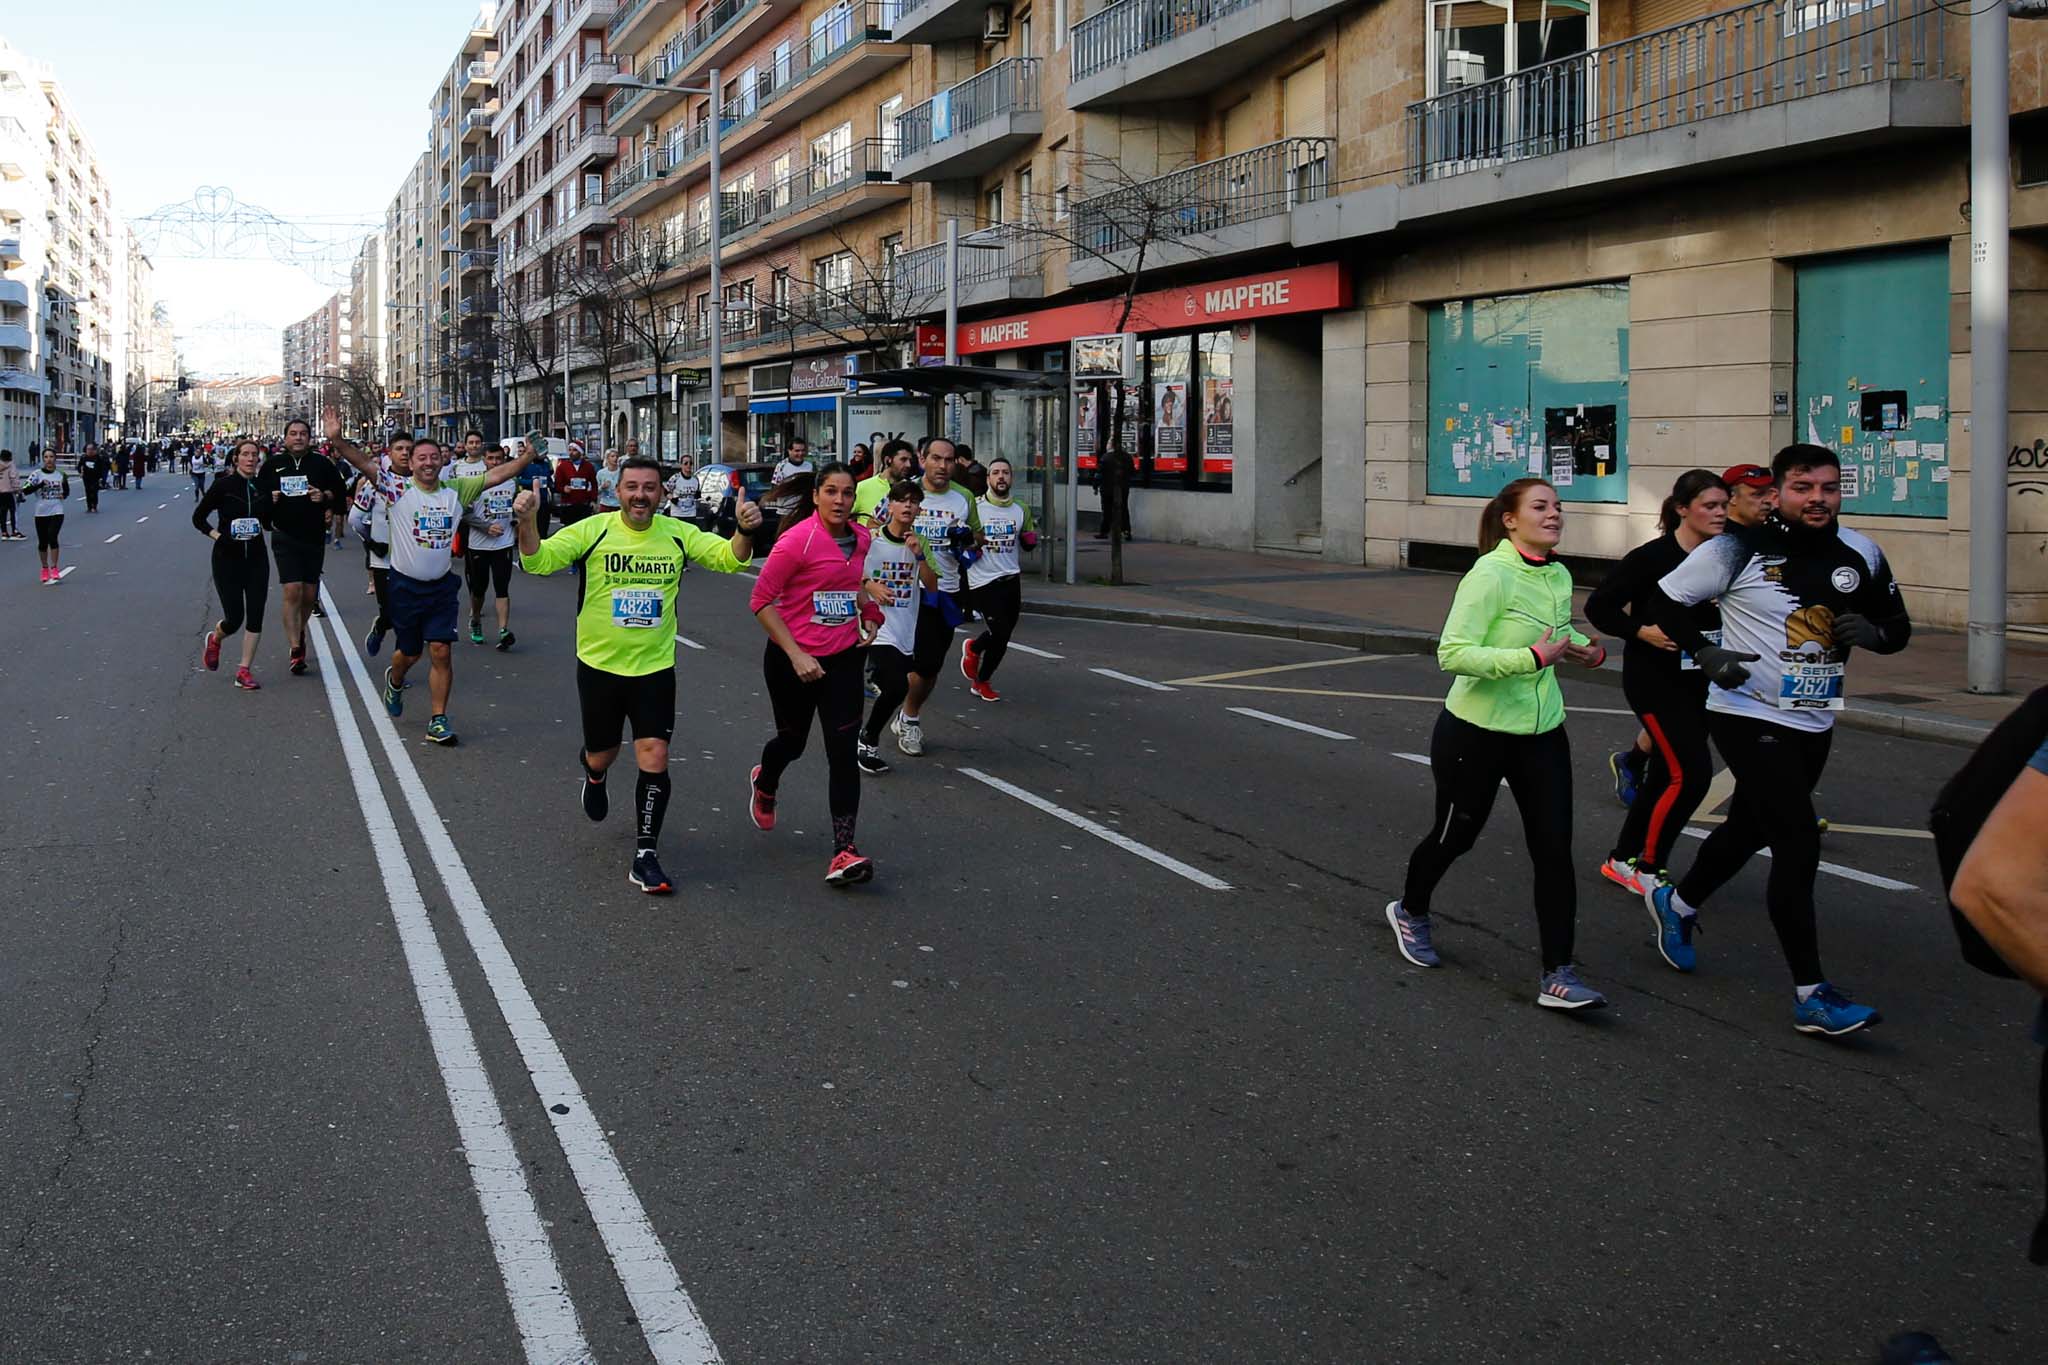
245,528
1685,659
1810,685
434,528
497,507
833,608
294,485
578,485
636,608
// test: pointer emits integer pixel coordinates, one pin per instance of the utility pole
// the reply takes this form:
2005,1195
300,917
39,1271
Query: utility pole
1990,213
717,276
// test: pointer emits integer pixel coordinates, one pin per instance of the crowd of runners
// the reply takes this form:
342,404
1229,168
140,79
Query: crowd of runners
1736,625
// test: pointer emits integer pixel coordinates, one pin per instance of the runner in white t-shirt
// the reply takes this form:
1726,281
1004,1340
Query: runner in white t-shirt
898,572
487,555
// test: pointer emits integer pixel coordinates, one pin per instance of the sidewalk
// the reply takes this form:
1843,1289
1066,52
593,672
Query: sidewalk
1916,693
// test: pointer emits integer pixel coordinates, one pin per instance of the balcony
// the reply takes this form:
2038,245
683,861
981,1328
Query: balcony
832,189
1756,86
973,127
592,215
997,265
851,47
939,21
10,251
590,150
722,33
1226,207
637,21
477,123
14,294
479,305
645,102
22,381
634,185
477,212
598,69
14,336
479,75
1144,51
477,166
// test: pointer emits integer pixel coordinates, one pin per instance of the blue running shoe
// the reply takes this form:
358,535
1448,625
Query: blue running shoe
394,698
1411,936
1830,1012
439,731
373,640
1562,990
1674,931
1628,776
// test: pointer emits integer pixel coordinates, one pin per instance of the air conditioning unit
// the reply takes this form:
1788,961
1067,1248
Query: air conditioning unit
995,24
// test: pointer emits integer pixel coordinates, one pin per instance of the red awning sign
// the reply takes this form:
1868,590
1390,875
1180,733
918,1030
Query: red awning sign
1310,289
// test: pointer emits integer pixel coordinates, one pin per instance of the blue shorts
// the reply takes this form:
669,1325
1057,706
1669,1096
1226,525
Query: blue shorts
420,612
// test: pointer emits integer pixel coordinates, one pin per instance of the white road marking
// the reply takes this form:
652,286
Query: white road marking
114,537
1423,759
1302,726
1102,832
687,642
1833,869
67,571
139,520
541,1308
668,1318
161,506
1035,653
1135,682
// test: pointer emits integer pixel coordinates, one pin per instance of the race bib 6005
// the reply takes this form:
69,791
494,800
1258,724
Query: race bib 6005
833,608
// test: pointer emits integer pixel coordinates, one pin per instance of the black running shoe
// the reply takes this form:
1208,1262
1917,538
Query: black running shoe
506,639
298,664
647,874
597,802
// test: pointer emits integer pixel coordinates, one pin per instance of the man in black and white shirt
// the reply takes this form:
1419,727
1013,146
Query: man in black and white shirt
1797,593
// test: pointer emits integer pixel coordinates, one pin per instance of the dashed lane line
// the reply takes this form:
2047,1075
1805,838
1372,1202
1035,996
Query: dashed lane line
1135,682
114,537
144,517
1300,725
687,643
1100,831
1435,697
1035,652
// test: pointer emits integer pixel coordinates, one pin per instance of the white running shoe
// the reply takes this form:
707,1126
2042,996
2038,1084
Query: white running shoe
909,737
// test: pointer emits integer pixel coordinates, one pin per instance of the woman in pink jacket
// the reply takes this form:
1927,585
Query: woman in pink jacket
809,599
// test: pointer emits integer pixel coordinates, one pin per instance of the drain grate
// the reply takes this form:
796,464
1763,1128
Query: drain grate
1896,698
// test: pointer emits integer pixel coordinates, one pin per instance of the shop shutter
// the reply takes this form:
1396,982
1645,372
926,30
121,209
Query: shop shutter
1242,130
1303,101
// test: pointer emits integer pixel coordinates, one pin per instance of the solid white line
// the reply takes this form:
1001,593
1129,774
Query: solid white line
1136,682
541,1308
1833,869
1302,726
1035,653
114,537
675,1331
1102,832
687,642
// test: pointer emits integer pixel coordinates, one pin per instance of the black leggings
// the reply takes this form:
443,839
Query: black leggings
243,582
835,700
1000,601
890,669
46,531
1469,763
380,584
1680,768
7,521
1776,769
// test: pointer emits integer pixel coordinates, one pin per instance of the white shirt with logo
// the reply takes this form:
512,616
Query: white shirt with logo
423,525
1002,523
493,505
893,564
937,515
47,488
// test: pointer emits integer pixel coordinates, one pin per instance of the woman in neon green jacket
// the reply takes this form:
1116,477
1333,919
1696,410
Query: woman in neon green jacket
1509,626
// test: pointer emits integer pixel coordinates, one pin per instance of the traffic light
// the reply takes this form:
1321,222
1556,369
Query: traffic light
298,379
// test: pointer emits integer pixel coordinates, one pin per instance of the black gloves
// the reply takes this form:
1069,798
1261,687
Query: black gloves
1724,666
1852,630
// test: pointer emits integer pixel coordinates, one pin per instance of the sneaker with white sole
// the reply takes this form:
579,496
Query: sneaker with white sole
1561,989
909,737
1624,874
1412,936
869,758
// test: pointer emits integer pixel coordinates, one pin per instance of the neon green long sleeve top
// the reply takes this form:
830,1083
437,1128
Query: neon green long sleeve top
1503,606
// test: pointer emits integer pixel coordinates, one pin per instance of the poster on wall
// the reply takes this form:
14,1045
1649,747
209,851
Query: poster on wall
1170,435
1217,415
1105,357
875,421
1084,429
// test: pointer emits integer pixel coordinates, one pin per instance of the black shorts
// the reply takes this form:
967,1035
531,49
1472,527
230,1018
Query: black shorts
488,566
609,700
298,561
934,637
46,531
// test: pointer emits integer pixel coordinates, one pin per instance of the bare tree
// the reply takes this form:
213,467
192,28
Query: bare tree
644,269
604,336
362,394
526,344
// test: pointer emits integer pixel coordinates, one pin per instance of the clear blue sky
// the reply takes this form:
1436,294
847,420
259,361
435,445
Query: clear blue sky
313,112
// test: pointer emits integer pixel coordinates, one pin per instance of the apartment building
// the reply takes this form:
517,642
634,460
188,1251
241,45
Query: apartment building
366,279
405,318
1388,257
244,404
460,210
318,349
75,292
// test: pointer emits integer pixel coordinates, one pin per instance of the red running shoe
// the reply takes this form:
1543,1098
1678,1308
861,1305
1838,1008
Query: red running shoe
848,868
970,666
760,804
246,680
985,691
212,651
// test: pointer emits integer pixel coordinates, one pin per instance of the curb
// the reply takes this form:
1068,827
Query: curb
1870,717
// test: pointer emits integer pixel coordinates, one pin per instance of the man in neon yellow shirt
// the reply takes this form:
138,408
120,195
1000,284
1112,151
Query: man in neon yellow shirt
897,462
630,563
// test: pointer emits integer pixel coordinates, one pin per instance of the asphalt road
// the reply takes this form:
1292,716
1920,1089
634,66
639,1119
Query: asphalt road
1032,1095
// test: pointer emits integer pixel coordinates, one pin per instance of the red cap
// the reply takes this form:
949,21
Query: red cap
1747,476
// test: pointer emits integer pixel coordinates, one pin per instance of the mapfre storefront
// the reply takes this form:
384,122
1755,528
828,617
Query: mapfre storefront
1225,409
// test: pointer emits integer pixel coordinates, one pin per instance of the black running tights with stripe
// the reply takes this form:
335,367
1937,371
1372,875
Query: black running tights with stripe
1776,769
1469,763
241,575
834,700
1680,769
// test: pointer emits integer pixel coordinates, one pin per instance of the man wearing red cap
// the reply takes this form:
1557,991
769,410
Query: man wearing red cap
1752,494
575,485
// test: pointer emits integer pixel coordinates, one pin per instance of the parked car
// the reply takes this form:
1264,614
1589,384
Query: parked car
756,479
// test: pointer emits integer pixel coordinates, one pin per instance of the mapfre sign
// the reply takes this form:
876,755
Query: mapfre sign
1310,289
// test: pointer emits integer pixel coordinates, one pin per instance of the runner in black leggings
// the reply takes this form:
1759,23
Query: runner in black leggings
1664,685
241,563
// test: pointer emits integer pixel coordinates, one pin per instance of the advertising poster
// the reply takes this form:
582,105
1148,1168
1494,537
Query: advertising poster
1216,420
1084,433
1103,357
1170,434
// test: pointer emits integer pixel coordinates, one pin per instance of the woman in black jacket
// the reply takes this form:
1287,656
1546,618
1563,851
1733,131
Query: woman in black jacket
1664,686
241,561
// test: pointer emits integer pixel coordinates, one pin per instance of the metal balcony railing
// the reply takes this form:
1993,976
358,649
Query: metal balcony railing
479,71
625,16
478,211
1010,86
1739,59
482,163
1240,188
1122,30
477,258
1018,253
479,305
863,162
653,71
478,120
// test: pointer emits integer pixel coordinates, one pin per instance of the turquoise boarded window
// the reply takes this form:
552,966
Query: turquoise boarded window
1531,384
